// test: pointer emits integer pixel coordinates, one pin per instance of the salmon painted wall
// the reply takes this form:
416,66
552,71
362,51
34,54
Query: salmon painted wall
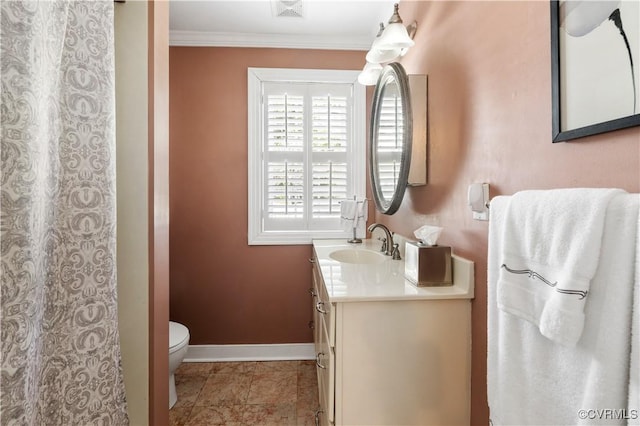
225,291
489,76
488,65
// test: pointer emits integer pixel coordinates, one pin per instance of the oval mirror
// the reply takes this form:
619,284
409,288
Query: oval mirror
390,138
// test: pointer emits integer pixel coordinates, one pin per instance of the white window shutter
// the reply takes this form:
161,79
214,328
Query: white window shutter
330,186
285,121
285,190
330,123
306,155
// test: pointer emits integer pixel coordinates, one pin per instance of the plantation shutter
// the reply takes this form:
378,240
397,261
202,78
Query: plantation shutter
307,148
284,152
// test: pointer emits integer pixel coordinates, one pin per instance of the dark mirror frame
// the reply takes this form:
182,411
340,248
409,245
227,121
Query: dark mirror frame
393,72
594,129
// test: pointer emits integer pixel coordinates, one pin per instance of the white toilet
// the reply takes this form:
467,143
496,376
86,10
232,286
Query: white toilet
178,345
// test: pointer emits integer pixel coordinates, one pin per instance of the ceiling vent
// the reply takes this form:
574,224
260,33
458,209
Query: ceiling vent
287,8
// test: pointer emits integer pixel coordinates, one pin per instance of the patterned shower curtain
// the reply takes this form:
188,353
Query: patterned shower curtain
60,343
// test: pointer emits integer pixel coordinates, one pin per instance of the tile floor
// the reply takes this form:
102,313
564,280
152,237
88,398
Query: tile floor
245,393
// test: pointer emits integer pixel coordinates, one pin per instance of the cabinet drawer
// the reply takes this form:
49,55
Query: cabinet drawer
325,367
317,320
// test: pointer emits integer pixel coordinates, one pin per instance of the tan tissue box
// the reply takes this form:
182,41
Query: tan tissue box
428,266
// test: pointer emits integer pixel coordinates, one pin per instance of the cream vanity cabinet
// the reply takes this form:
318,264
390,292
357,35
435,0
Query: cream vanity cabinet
323,320
388,352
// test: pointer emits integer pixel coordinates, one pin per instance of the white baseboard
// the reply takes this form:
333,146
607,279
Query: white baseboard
277,352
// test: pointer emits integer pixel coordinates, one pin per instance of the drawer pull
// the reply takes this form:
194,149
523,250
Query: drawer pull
320,307
318,360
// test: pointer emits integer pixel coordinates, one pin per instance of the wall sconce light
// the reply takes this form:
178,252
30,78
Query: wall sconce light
370,73
377,53
391,42
396,35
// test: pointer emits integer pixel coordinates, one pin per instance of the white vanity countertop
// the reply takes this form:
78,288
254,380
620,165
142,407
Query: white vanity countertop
348,282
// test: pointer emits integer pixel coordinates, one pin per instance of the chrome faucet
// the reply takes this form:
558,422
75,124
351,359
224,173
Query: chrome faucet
388,246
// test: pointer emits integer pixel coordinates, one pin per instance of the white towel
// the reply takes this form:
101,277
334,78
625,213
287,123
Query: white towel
532,380
348,210
354,214
550,254
634,373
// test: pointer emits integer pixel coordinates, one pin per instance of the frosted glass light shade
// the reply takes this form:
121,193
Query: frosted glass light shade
370,73
378,55
395,36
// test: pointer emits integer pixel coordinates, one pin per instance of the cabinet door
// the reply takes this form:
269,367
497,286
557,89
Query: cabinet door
317,320
403,362
325,362
324,340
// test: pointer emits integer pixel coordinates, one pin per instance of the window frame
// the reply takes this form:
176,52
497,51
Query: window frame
357,150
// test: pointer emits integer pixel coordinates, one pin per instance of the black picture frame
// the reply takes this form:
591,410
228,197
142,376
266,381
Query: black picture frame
558,135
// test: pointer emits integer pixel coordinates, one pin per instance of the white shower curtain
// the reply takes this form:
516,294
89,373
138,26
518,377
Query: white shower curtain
60,343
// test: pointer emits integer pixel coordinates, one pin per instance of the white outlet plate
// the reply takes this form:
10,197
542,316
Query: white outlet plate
484,213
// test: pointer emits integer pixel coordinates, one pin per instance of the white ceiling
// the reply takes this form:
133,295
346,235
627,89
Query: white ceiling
327,24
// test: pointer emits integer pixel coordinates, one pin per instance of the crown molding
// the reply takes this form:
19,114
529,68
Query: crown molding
280,41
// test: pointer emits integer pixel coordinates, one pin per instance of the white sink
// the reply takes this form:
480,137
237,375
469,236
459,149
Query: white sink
357,256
